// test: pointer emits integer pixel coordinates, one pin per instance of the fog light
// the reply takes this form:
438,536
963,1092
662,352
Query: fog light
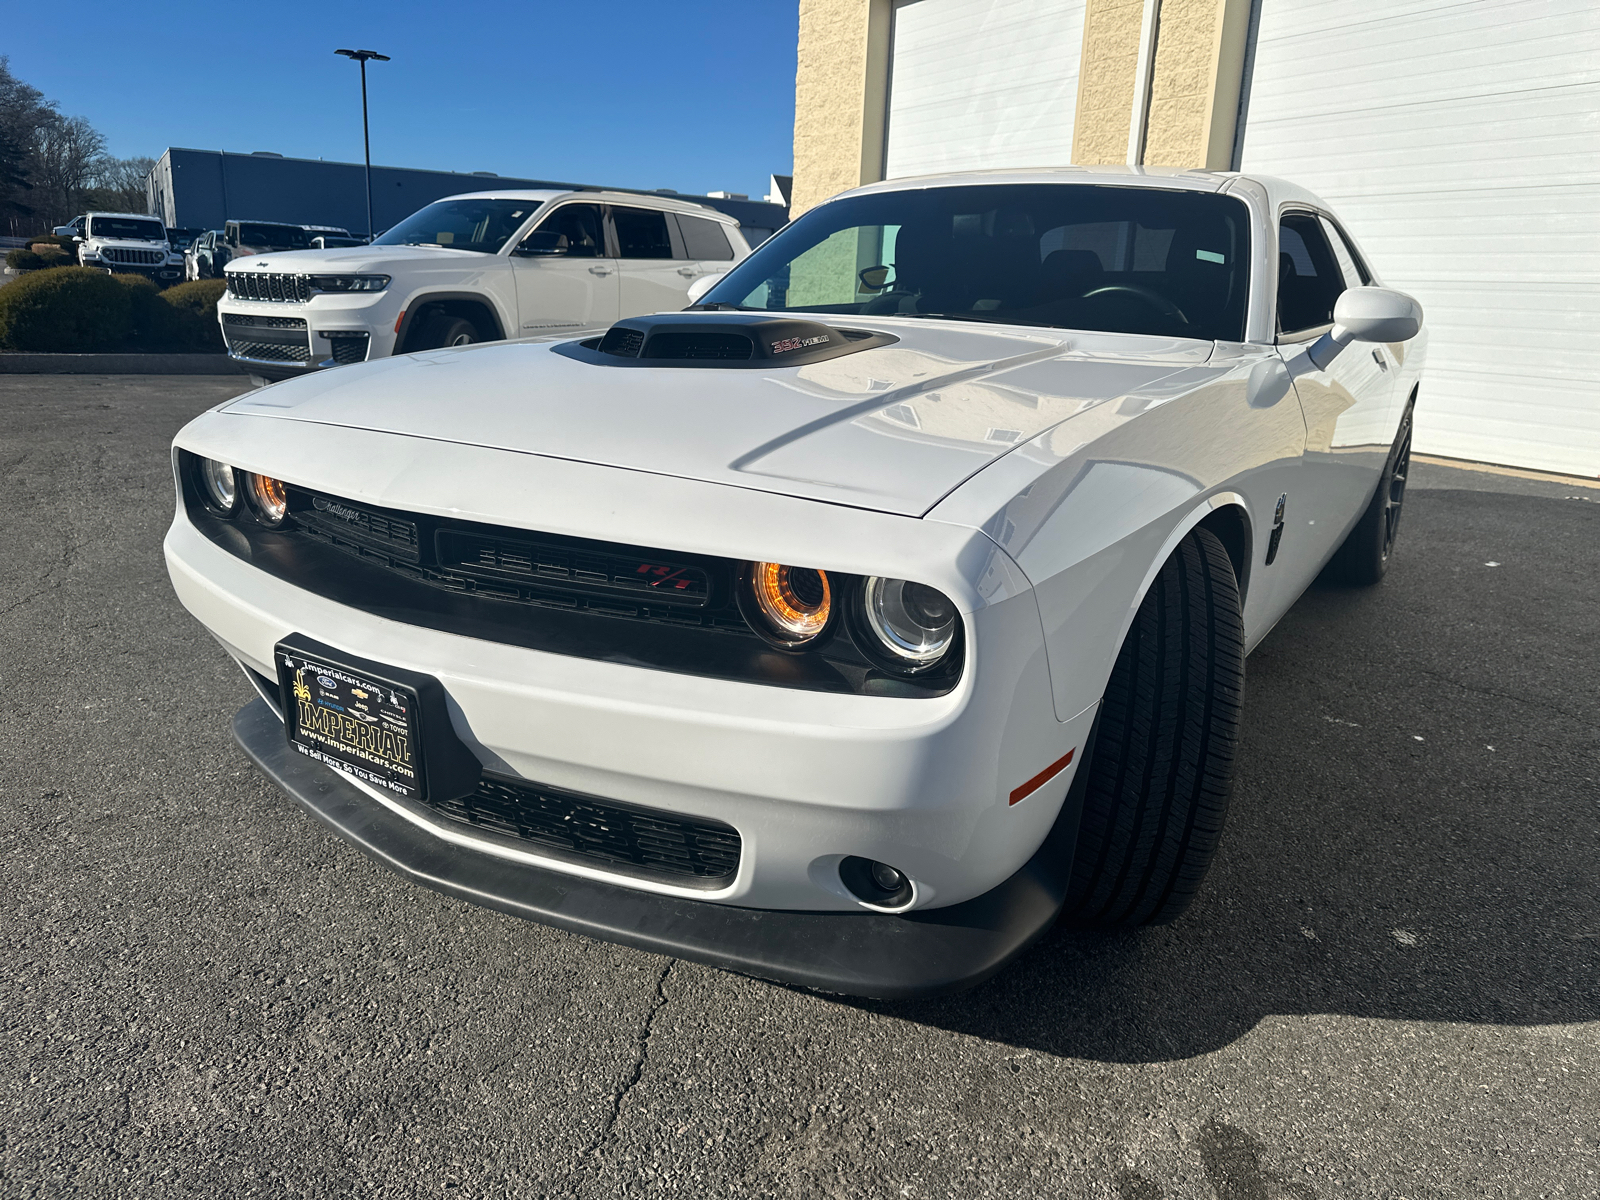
875,883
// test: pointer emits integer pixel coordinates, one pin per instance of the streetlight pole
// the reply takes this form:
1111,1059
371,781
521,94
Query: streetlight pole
361,56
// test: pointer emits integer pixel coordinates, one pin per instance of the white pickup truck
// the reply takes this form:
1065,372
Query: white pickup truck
473,268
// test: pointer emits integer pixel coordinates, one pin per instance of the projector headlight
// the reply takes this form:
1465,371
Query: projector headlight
220,483
269,497
789,606
912,623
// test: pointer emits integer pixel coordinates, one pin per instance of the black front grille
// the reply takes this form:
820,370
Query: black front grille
269,351
657,609
138,258
264,322
628,840
268,285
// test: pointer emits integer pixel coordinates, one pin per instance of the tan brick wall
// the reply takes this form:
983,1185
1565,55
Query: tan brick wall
1194,86
840,88
1105,81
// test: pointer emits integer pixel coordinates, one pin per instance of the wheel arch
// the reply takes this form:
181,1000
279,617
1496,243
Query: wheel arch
476,307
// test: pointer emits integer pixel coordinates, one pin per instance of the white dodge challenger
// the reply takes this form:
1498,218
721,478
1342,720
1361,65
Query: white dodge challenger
849,628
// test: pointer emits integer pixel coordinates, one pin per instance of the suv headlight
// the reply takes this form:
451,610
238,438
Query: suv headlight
349,283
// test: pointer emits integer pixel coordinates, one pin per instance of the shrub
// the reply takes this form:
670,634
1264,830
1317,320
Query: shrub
24,260
73,310
55,256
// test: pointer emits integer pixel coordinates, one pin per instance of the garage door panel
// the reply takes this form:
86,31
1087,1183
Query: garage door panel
1460,141
982,84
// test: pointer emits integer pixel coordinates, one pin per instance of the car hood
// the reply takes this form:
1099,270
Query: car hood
354,259
894,428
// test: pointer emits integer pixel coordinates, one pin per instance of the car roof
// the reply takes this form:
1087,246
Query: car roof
135,216
640,200
1279,191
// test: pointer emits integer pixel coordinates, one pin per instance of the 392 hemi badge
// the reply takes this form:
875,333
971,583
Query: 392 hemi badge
784,345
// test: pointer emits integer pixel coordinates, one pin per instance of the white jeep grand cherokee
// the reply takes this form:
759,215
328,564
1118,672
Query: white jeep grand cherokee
474,268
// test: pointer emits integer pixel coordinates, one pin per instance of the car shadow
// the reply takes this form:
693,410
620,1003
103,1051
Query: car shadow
1415,819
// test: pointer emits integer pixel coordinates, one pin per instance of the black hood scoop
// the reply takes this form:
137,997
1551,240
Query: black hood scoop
739,340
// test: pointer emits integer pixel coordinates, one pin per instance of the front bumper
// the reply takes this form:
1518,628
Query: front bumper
283,340
858,954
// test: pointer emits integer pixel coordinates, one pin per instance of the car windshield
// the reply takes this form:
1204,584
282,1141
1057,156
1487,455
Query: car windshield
483,226
283,237
130,228
1067,256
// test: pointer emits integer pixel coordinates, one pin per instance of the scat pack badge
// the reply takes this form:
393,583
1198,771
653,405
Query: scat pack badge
784,345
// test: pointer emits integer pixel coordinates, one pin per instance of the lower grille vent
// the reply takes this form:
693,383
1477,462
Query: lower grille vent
634,841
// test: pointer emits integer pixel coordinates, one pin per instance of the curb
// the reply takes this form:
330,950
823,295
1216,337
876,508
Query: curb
118,364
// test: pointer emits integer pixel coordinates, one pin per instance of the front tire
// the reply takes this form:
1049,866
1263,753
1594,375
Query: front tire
1162,762
1363,558
443,330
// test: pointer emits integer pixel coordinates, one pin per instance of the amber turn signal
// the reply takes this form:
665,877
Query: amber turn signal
269,497
795,603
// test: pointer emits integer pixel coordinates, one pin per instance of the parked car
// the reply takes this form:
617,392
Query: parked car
850,628
73,228
129,243
473,268
240,239
202,260
331,237
181,239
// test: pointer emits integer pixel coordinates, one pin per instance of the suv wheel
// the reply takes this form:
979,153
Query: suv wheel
442,330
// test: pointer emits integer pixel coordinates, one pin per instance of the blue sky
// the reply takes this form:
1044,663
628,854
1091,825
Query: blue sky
684,94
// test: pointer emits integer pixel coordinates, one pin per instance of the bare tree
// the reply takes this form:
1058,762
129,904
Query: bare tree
118,185
70,151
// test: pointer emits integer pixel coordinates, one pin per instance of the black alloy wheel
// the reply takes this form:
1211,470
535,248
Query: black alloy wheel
1364,556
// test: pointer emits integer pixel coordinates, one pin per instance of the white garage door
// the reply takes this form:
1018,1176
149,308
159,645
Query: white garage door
1461,143
978,84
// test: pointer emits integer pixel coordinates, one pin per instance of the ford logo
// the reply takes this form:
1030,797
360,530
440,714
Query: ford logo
326,682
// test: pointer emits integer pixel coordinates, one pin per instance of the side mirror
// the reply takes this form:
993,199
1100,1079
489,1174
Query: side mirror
1367,314
703,285
542,243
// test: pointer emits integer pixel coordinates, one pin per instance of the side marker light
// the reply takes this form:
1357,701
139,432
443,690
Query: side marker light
1043,777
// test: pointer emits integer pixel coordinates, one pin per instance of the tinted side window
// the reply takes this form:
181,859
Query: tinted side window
1355,268
641,233
580,224
703,239
1309,279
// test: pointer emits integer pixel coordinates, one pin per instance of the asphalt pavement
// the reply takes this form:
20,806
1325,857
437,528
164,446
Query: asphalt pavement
1390,986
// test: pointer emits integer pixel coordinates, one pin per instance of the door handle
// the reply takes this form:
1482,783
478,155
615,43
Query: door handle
599,270
1377,357
688,272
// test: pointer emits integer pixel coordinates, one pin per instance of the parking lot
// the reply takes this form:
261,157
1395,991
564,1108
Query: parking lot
1390,986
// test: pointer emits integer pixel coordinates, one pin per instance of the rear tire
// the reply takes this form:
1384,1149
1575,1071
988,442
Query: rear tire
441,330
1162,762
1363,558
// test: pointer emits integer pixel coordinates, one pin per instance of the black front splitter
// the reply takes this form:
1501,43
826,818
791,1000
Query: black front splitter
856,954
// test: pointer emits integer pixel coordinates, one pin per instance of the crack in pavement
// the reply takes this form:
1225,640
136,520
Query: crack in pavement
641,1056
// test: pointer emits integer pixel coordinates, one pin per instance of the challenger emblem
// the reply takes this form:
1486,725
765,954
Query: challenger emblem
335,510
